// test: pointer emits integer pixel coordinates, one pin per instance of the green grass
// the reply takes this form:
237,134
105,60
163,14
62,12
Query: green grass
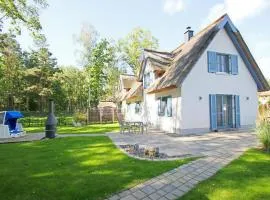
247,178
71,168
94,128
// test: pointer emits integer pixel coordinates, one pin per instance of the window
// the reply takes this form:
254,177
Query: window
165,106
148,79
220,62
138,107
223,63
128,107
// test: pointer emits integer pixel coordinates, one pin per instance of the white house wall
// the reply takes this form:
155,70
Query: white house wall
167,124
200,83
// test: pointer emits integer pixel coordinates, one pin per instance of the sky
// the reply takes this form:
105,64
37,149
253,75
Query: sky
166,19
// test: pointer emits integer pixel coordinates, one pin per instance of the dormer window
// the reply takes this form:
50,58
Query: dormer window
148,79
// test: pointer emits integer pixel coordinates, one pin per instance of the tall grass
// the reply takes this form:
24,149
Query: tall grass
263,128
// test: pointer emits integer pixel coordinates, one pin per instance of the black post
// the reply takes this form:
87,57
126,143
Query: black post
50,125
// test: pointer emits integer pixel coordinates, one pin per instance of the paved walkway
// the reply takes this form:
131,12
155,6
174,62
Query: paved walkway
219,149
39,136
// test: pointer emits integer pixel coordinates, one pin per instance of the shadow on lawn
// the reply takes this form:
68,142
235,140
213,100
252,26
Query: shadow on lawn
71,168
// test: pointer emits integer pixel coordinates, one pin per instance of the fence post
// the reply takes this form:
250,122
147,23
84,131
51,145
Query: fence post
113,115
100,115
88,115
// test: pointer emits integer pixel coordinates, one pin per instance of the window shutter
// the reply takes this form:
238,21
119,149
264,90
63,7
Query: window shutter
237,111
212,61
152,78
234,64
159,102
213,112
169,106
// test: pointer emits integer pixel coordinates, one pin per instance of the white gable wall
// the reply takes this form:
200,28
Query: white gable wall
200,83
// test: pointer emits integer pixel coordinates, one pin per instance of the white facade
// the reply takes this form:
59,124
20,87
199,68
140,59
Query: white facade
200,83
190,101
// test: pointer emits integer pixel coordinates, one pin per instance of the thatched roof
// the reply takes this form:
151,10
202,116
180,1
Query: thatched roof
126,80
135,91
177,64
180,61
264,94
103,104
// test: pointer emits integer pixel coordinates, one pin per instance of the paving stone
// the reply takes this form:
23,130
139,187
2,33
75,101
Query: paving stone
146,198
154,196
114,197
170,196
177,192
168,188
163,198
183,188
139,194
148,190
161,192
157,185
129,197
123,194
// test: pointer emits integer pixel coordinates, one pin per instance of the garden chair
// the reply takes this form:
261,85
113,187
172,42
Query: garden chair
123,125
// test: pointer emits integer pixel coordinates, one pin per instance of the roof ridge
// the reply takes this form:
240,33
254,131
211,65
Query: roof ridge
155,51
198,33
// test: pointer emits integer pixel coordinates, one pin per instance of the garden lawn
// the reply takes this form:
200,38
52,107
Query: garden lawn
247,178
71,168
93,128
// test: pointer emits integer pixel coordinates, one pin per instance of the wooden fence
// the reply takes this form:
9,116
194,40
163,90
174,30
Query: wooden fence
101,115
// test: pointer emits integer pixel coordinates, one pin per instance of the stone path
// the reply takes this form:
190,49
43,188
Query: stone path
25,138
39,136
175,183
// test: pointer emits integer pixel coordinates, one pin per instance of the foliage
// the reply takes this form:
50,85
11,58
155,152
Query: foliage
246,178
100,61
22,13
73,85
263,133
12,71
72,168
40,122
131,46
80,117
29,78
87,40
88,129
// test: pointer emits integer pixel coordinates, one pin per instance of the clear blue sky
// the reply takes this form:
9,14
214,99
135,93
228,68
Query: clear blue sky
166,19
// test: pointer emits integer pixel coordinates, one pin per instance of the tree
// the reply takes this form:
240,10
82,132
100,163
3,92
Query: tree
87,39
39,75
100,60
11,71
74,86
131,46
22,13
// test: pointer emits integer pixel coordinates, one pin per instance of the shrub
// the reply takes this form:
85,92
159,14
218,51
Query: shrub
263,132
80,117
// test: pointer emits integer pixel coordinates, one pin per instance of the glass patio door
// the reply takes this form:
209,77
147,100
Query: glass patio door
225,111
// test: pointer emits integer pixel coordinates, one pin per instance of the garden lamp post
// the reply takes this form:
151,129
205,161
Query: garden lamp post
50,125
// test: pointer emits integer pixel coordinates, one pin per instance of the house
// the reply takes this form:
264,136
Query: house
208,83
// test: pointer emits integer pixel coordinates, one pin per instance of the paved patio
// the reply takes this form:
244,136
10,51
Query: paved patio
197,145
218,150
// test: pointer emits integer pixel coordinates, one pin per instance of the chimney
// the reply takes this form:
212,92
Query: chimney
188,34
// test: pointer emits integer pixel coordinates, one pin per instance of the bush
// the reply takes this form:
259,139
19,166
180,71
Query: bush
263,132
80,117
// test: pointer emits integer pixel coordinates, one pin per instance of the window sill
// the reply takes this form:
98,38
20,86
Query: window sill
223,73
